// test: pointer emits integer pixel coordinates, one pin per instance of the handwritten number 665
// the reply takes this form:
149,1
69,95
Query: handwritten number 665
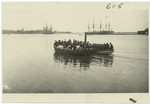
114,6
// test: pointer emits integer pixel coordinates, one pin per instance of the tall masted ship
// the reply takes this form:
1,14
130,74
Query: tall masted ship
48,30
101,30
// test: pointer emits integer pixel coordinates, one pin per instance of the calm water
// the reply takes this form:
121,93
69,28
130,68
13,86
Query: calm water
30,65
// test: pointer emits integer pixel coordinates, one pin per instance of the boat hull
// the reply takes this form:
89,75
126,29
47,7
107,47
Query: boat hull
83,52
100,33
75,52
107,52
48,33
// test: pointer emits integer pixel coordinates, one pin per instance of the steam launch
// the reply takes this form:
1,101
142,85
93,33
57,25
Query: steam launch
106,30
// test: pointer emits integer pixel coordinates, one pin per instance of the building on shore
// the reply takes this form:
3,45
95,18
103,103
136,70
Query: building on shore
144,32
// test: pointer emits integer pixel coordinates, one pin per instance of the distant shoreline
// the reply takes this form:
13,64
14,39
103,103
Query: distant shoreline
67,32
73,33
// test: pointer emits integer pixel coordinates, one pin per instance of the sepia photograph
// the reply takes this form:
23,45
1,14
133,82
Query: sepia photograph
75,48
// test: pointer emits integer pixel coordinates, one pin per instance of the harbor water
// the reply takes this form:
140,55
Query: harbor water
30,65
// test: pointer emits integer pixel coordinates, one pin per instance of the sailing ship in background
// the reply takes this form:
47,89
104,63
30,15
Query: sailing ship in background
47,30
107,30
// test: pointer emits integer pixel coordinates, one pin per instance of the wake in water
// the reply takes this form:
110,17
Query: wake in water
131,57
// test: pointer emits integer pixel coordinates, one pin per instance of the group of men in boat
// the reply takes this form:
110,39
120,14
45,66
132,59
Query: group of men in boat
79,45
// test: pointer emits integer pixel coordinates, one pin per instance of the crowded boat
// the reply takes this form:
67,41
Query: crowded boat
80,45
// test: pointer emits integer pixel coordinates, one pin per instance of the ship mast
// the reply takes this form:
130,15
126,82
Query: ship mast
106,27
109,26
100,26
88,27
93,25
46,26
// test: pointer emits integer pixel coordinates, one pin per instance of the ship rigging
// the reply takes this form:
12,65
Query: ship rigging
107,30
47,30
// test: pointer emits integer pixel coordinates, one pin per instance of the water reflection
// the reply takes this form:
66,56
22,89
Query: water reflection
84,61
103,60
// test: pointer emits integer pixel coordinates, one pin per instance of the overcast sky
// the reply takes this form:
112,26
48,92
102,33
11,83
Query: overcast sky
74,16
